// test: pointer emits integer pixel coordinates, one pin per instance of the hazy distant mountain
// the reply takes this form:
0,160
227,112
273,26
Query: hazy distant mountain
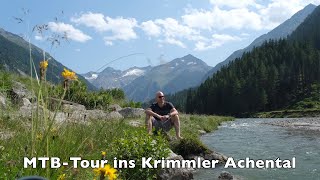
176,75
281,31
14,57
112,78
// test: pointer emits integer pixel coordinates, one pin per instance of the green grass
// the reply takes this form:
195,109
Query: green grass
80,140
40,136
307,107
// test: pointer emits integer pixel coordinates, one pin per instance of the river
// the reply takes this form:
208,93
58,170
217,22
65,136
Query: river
255,139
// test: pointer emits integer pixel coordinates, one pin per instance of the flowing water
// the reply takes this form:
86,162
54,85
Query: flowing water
255,139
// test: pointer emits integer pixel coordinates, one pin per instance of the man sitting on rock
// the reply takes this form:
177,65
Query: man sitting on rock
162,115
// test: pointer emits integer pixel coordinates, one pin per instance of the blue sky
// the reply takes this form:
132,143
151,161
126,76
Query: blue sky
99,31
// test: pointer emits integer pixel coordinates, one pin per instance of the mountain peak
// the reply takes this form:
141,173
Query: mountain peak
189,56
189,60
310,5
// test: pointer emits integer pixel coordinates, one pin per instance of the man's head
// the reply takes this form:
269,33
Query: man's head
159,97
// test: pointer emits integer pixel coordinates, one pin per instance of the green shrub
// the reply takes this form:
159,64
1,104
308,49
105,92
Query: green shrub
132,104
78,93
133,146
189,146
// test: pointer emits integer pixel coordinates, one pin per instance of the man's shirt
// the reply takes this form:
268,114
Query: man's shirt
164,110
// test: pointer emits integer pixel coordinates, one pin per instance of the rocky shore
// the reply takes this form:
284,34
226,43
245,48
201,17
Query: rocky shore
306,124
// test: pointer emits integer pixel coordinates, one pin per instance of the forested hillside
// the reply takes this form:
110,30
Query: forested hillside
15,57
273,76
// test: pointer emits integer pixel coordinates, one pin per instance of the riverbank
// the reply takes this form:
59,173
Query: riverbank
288,113
311,124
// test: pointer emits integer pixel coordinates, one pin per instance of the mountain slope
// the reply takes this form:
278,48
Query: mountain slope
274,76
111,78
308,31
281,31
14,56
179,74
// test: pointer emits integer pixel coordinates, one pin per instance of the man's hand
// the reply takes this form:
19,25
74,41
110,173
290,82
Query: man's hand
164,118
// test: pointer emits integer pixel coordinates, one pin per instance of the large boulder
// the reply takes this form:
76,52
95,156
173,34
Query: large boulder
77,115
59,117
26,102
95,114
129,112
216,156
18,92
175,173
114,107
114,115
31,110
225,175
70,108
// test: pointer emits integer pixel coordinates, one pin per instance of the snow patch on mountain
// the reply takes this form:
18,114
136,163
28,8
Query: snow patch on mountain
134,72
93,76
190,63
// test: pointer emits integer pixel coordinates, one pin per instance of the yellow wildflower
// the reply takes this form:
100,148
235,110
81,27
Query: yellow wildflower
62,177
39,136
103,153
107,171
110,172
98,171
66,74
44,64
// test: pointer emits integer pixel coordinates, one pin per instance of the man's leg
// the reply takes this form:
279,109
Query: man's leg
149,124
176,122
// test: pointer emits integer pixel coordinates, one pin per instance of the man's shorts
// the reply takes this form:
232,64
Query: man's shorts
164,125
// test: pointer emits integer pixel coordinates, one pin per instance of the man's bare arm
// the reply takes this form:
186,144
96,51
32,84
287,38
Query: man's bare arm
173,112
149,112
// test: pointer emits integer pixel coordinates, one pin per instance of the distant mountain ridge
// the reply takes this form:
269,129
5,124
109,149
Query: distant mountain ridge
14,56
281,31
111,78
176,75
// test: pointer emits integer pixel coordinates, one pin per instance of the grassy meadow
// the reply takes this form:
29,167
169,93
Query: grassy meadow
41,136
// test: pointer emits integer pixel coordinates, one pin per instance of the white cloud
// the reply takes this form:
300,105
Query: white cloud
172,28
223,38
173,41
199,19
277,12
120,28
244,14
69,30
94,20
223,19
222,16
170,31
235,3
150,28
216,41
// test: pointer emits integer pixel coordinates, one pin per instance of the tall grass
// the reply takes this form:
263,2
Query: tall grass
42,136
